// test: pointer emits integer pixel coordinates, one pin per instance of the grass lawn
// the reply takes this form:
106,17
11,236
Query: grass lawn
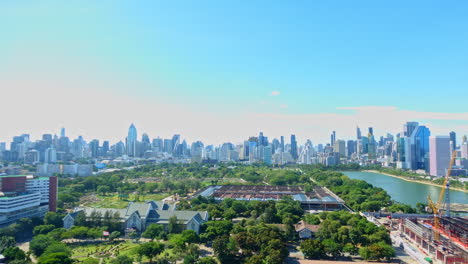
127,248
113,201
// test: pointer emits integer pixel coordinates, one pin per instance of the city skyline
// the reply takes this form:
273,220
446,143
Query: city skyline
225,71
335,135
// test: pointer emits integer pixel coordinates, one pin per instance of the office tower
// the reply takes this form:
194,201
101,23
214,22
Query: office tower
105,147
453,141
363,145
439,155
168,147
175,143
320,148
340,147
47,137
50,155
62,132
261,139
282,143
371,147
64,144
371,131
409,127
119,149
418,154
145,138
2,146
275,145
333,138
196,151
267,154
132,141
358,133
94,148
400,149
294,153
351,146
464,139
464,150
306,153
158,145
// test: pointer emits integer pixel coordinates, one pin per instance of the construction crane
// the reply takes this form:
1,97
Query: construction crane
436,207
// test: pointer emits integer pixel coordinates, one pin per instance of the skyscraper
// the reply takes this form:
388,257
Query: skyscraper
439,155
340,147
420,140
282,143
294,147
409,127
351,146
358,133
371,131
333,138
62,132
453,141
132,141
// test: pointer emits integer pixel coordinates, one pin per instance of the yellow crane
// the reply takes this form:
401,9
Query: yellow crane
436,207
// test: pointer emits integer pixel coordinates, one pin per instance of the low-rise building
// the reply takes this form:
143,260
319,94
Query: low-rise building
305,230
138,216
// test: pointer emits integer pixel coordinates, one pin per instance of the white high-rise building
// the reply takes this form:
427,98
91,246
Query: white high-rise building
439,151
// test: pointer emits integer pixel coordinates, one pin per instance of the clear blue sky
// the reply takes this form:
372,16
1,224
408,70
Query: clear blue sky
229,55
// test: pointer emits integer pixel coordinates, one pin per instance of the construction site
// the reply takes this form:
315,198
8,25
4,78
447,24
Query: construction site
443,238
320,198
447,244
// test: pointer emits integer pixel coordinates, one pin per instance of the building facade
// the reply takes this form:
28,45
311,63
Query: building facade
26,196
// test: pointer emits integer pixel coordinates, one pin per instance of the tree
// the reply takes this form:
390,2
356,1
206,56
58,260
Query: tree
377,251
312,219
152,231
150,250
207,260
43,229
313,249
57,247
173,225
6,242
53,218
114,235
225,249
190,236
15,253
332,248
39,244
122,260
55,258
103,189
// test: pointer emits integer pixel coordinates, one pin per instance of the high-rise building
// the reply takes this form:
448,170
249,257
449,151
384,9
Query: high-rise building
332,138
453,141
409,127
417,153
62,132
439,155
294,153
282,143
358,133
132,141
351,147
371,131
340,147
94,148
464,150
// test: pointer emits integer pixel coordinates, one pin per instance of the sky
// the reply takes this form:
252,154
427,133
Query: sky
222,71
